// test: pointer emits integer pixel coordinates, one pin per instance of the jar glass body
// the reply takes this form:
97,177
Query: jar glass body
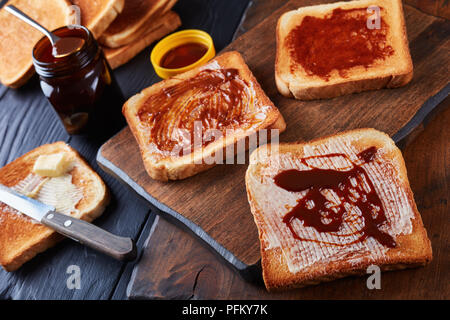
80,86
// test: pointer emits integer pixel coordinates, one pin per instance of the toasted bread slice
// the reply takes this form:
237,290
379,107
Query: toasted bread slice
167,118
98,15
296,251
21,238
17,39
161,27
335,49
137,18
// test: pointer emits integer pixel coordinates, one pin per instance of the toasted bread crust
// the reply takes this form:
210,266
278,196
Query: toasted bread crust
32,238
174,168
304,87
412,249
17,38
126,30
97,16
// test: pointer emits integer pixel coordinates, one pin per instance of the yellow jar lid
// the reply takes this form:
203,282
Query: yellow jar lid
177,39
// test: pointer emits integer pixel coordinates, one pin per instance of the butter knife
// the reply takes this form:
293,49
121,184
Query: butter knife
120,248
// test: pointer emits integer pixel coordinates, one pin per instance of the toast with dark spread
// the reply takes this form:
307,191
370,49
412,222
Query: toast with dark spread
331,207
183,125
79,192
330,50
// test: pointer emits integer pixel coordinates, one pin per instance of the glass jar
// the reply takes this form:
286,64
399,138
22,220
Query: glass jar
80,85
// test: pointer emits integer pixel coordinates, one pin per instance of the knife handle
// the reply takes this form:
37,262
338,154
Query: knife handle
92,236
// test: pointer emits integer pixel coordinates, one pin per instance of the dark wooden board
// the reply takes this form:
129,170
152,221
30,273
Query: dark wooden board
27,121
214,205
176,266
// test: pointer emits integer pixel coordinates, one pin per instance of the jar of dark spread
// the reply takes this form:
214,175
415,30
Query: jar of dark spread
78,82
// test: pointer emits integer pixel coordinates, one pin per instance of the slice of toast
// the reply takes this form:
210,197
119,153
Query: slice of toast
332,207
161,27
99,14
22,238
199,105
335,49
17,38
137,18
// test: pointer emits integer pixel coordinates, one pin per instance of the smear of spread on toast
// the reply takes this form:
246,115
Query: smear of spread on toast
339,41
350,243
215,99
350,187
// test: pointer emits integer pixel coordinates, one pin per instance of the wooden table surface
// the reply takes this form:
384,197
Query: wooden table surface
177,265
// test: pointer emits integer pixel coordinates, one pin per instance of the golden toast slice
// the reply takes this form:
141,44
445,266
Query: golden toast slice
136,19
335,49
162,26
22,238
99,14
331,207
17,39
182,122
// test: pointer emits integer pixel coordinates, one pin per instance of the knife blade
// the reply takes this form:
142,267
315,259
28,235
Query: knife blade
120,248
28,206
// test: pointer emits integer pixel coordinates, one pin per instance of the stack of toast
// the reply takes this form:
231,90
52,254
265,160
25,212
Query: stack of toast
324,209
123,28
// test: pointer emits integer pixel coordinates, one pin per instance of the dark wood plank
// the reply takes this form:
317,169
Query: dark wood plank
223,217
176,265
439,8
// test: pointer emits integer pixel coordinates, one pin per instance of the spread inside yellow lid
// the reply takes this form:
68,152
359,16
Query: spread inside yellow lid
181,52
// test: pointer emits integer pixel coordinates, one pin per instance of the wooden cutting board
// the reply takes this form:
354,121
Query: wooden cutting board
213,204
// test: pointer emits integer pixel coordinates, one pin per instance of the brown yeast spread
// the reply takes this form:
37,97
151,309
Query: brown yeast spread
325,216
217,99
338,41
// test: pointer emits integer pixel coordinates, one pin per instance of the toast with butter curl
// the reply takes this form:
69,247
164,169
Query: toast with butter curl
22,238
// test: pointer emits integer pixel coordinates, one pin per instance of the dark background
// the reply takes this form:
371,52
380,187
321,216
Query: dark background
27,121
